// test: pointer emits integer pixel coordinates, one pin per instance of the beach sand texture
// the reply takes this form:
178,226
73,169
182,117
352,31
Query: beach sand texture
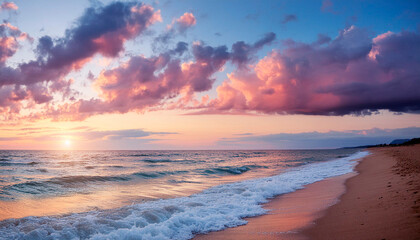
288,213
381,202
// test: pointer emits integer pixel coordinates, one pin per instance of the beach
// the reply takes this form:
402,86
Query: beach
206,120
380,202
288,213
163,194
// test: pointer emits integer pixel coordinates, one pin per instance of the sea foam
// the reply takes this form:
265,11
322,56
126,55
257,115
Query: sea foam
213,209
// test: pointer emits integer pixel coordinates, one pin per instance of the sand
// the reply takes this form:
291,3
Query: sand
380,202
288,213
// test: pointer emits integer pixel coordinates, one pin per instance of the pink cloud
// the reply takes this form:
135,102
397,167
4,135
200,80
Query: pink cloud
185,21
143,83
352,74
10,36
178,26
100,30
182,23
8,6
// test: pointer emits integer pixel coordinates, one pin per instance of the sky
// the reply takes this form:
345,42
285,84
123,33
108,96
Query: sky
179,75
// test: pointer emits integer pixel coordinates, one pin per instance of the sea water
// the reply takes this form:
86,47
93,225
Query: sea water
150,194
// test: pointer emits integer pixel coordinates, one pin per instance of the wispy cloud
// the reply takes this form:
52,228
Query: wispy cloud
289,18
331,139
85,138
327,6
177,27
8,6
85,134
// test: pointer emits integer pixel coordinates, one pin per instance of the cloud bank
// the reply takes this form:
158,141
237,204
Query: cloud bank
143,83
318,140
354,73
351,74
100,30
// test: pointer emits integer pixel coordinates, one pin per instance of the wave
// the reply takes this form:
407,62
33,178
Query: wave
157,160
229,170
7,163
56,185
70,180
153,155
178,218
158,174
138,155
60,185
182,181
259,153
181,161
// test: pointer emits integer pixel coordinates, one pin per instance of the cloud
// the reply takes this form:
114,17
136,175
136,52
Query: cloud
8,6
100,30
142,82
327,6
85,134
163,81
252,16
242,52
180,48
10,38
178,26
289,18
185,21
87,138
243,134
322,39
117,134
352,74
316,140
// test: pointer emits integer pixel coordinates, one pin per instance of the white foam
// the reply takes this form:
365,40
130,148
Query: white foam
180,218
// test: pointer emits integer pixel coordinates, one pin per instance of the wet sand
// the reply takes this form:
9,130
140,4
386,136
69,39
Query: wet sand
288,213
380,202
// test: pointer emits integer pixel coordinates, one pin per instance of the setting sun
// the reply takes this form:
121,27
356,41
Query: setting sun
148,119
67,143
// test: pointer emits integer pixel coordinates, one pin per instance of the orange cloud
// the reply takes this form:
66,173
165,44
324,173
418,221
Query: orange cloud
187,19
8,6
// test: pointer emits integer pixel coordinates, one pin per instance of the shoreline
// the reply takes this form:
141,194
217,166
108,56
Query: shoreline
288,213
380,200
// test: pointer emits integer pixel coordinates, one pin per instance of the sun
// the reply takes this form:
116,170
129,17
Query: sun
67,143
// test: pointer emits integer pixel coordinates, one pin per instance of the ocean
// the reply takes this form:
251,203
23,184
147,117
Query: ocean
150,194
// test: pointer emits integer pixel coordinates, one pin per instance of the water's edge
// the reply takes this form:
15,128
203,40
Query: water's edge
213,209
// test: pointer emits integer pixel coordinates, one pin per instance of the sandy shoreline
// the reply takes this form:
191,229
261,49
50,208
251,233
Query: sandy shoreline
381,202
288,213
